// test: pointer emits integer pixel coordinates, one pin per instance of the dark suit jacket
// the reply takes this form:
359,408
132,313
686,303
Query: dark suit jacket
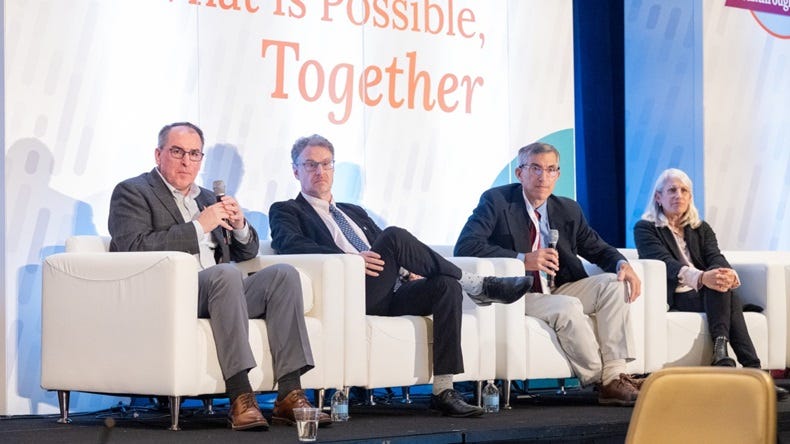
144,217
500,226
298,229
654,242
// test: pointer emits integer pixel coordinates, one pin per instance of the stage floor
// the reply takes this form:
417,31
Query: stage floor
545,417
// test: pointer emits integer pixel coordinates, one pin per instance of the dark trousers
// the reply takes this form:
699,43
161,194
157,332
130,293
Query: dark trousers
725,318
439,294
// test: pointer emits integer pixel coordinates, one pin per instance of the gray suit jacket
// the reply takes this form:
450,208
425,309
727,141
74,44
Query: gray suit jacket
144,217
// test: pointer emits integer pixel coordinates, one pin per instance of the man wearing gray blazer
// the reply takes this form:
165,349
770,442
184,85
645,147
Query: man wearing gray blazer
164,210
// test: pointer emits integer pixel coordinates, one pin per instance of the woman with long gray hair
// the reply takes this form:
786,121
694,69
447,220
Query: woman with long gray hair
699,278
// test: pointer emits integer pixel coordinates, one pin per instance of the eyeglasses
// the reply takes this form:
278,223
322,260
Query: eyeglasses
178,153
311,166
537,171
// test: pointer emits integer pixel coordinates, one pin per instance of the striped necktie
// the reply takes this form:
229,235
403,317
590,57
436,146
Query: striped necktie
345,227
533,233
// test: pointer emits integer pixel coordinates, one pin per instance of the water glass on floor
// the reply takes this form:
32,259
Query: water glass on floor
306,423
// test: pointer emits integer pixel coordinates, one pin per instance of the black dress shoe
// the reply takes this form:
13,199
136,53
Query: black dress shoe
505,290
451,403
720,356
781,394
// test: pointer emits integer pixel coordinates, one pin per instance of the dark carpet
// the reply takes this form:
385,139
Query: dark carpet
544,416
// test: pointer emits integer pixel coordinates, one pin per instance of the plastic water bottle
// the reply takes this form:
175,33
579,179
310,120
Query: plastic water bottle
339,406
491,398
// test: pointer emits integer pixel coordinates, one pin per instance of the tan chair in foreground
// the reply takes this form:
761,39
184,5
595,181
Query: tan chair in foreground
705,405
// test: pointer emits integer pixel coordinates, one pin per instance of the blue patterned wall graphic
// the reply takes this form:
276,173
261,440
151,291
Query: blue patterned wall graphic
663,91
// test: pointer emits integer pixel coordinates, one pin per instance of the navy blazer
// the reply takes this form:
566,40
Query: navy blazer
298,229
500,227
144,217
654,242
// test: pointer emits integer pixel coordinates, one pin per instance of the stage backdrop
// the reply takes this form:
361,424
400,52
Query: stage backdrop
747,123
707,92
425,101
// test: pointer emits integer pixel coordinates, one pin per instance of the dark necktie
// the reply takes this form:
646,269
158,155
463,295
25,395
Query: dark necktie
345,227
533,233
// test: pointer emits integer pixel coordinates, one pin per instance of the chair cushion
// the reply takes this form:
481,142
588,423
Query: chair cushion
689,342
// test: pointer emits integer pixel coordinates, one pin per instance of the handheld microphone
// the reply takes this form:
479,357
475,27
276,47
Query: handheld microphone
554,236
219,191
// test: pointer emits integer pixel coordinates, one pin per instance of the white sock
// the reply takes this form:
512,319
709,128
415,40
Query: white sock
612,370
442,383
471,283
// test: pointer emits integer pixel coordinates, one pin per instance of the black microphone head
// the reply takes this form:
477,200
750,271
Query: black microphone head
555,236
219,187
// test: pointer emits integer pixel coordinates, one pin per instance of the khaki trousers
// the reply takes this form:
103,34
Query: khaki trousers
567,311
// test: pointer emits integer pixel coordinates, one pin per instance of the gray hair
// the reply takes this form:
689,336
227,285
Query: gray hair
165,131
535,148
653,212
314,140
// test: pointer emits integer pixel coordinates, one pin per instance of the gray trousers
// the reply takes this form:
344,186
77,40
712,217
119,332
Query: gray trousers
566,312
228,300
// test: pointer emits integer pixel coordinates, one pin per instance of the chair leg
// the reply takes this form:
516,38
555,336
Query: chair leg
175,410
406,390
319,398
479,393
371,401
208,405
506,386
63,404
561,383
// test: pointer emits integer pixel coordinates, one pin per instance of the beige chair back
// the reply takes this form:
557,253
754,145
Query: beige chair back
705,404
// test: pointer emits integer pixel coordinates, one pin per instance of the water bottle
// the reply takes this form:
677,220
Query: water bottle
339,406
491,398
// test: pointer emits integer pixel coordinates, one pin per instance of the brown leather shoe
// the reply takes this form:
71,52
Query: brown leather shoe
618,392
283,412
244,414
636,381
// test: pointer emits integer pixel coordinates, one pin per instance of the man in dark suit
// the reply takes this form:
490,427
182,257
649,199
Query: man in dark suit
164,210
515,221
404,276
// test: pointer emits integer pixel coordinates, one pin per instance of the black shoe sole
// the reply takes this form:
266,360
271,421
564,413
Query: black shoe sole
472,414
726,362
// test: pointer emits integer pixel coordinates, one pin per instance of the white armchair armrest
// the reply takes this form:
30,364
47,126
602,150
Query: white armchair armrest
125,315
763,284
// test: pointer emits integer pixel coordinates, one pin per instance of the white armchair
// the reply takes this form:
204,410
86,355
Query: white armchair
777,285
688,339
392,351
683,338
398,349
126,323
527,348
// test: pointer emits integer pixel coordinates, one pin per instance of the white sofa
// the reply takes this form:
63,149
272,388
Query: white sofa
126,323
